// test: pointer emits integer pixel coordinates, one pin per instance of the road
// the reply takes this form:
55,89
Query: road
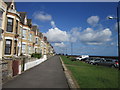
48,74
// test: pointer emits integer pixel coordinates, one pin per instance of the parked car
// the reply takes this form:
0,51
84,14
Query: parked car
96,61
89,59
116,65
78,58
84,59
109,62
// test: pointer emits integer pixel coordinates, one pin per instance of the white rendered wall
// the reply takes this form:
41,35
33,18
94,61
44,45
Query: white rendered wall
19,69
31,64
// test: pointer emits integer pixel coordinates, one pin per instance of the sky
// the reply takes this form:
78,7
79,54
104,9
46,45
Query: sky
80,27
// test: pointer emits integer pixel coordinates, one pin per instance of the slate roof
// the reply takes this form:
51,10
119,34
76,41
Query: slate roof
34,28
22,15
29,22
45,38
9,3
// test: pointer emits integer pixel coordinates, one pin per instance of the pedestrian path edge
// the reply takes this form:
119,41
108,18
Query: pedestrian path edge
70,80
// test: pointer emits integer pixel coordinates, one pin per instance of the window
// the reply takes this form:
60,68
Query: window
15,47
24,33
1,14
12,7
21,31
30,50
40,50
16,27
8,46
10,25
30,37
36,41
35,50
23,48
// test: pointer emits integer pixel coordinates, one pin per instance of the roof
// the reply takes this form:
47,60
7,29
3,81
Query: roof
9,3
29,22
22,15
45,38
40,35
34,28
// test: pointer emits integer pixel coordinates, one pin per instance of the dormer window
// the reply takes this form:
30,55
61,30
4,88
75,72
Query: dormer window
12,7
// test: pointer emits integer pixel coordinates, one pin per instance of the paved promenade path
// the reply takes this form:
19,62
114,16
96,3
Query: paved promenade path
48,74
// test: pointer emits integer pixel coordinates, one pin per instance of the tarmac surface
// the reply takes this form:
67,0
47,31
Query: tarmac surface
48,74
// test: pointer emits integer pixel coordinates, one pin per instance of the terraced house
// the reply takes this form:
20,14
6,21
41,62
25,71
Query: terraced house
25,29
3,10
19,39
11,32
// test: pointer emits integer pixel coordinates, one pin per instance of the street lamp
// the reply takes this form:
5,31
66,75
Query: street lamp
118,27
110,17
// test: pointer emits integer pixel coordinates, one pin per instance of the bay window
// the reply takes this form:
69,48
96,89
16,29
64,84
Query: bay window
36,41
21,31
30,37
8,46
24,33
10,25
23,48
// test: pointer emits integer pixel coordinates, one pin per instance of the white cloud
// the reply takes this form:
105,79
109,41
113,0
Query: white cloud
42,16
117,44
95,37
93,20
53,24
60,44
74,34
56,35
35,24
87,36
112,43
90,36
116,26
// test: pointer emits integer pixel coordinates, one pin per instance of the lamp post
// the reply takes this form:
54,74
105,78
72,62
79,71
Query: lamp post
118,27
71,48
118,23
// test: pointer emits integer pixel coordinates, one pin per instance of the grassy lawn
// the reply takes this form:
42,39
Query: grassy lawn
91,76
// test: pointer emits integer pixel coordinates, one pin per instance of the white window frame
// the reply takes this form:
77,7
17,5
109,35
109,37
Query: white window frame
23,48
24,33
1,18
30,37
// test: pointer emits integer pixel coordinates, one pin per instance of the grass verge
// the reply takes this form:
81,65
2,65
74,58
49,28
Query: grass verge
91,76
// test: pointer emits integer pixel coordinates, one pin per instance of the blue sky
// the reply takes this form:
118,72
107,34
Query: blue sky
82,24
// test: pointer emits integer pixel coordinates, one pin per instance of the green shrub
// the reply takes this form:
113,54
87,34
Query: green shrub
36,55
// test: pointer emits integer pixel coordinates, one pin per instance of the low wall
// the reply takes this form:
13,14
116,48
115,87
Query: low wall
7,66
31,64
7,72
